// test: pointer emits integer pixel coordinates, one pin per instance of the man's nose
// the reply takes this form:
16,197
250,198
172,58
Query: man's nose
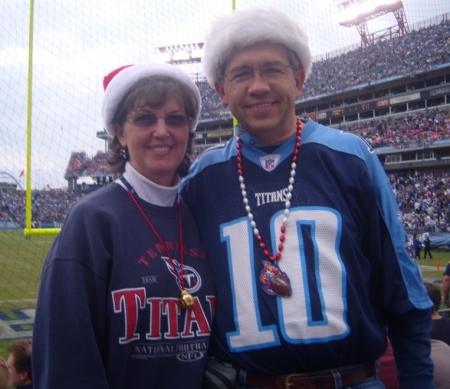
258,82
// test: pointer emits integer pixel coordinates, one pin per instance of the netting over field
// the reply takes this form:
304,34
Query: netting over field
53,56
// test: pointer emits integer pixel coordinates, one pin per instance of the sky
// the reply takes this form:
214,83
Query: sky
76,42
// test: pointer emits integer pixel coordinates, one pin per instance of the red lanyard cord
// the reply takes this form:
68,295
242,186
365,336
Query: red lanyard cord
180,273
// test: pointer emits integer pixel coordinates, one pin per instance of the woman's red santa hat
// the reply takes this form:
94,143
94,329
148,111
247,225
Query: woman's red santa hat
118,82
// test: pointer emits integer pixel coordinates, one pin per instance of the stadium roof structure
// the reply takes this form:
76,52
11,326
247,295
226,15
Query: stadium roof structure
188,48
356,13
6,179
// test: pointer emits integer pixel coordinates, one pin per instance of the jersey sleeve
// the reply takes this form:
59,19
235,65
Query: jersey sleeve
410,337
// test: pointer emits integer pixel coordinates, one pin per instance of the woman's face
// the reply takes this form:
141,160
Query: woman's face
156,140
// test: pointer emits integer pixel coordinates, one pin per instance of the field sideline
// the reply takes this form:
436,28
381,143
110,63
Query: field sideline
21,260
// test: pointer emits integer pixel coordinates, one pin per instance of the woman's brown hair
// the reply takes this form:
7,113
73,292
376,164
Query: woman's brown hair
152,92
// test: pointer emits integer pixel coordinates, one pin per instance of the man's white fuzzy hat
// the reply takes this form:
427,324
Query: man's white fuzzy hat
246,27
119,81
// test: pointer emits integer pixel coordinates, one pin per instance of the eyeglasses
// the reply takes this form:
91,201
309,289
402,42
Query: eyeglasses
270,71
149,120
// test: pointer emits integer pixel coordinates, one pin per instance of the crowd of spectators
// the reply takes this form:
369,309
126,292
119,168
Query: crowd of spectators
419,51
77,164
80,164
48,206
423,197
97,165
414,128
212,107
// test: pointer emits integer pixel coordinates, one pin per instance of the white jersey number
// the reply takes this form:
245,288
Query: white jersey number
316,311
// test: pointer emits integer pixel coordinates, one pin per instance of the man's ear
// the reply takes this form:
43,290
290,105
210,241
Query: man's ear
24,376
220,89
299,80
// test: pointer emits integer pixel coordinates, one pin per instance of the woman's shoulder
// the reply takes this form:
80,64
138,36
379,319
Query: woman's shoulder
106,195
100,202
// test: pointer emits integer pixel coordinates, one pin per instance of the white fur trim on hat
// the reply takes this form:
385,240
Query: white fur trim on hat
121,82
247,27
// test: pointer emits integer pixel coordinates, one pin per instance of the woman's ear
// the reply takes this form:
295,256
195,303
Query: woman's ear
118,129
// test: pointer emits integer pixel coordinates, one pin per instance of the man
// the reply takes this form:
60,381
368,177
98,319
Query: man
19,364
300,226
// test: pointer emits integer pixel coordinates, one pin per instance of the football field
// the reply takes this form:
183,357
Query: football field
21,260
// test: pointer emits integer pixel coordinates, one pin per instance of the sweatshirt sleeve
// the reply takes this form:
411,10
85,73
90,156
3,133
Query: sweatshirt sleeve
69,329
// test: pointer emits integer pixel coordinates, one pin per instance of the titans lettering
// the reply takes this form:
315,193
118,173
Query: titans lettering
132,304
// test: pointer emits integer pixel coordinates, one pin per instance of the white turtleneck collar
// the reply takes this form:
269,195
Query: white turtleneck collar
149,191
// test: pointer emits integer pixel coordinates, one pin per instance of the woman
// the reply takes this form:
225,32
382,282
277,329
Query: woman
126,296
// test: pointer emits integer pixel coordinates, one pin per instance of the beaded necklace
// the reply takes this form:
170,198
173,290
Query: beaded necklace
275,282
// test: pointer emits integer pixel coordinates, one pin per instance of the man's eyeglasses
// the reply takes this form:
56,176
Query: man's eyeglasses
269,71
149,120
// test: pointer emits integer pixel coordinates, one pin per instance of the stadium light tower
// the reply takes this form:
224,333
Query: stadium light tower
188,49
358,12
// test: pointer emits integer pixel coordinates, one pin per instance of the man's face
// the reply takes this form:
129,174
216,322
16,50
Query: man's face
264,106
15,378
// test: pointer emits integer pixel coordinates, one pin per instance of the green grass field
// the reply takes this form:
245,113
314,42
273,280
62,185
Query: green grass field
432,269
21,260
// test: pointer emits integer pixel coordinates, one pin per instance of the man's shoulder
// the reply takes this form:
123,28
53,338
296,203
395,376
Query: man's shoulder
335,139
215,155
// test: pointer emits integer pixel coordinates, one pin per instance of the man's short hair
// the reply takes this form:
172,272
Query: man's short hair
21,350
434,293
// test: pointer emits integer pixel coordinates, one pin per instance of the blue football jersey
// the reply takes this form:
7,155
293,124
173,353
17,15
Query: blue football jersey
344,252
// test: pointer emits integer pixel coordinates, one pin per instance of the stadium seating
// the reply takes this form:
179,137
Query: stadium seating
423,197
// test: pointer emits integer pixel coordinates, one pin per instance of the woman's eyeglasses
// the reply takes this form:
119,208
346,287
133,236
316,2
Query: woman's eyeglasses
149,120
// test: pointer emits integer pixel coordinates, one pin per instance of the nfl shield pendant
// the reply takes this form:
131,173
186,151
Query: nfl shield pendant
187,301
274,281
